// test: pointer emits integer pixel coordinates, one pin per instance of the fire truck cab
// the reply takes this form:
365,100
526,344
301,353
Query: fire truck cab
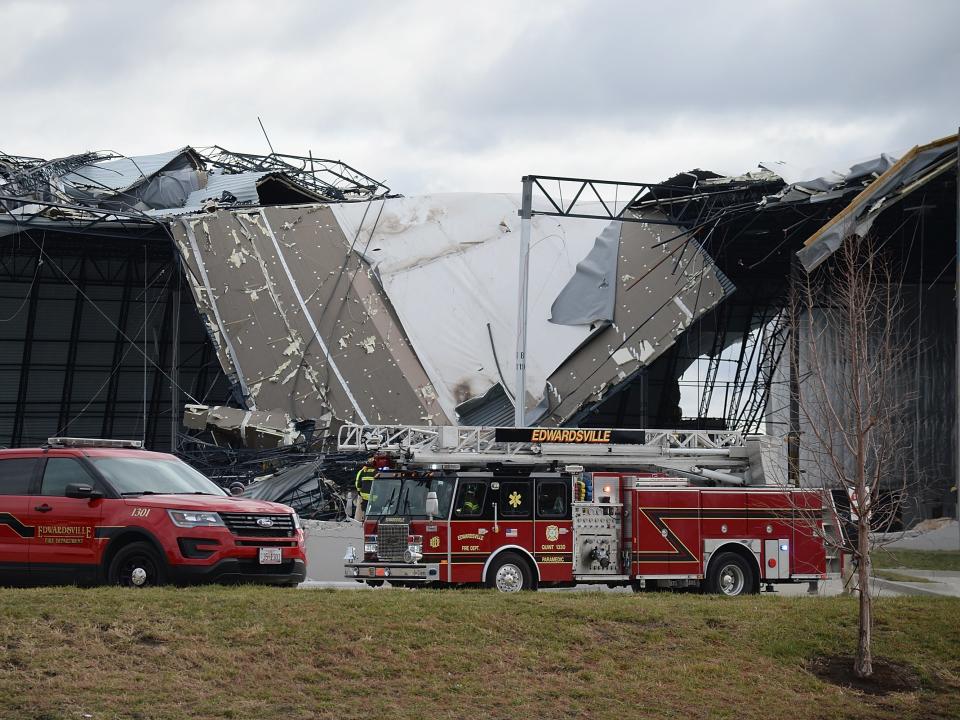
518,513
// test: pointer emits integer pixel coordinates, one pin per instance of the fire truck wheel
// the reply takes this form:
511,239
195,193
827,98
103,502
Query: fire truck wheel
730,575
137,565
510,573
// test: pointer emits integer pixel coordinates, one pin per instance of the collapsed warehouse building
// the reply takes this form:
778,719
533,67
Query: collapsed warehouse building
276,297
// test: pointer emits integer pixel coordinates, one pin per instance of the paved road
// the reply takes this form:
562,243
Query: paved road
825,589
327,541
944,538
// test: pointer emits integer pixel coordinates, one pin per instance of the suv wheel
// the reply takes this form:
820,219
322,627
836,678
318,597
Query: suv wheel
137,565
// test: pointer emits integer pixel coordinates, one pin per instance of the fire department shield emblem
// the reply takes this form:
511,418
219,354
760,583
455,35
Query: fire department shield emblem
434,542
553,532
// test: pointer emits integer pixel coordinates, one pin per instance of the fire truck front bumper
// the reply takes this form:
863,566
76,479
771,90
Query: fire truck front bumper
407,572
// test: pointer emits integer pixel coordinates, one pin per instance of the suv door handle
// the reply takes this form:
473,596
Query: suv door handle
43,508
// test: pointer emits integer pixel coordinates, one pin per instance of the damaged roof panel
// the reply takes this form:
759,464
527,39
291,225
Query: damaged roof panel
402,310
662,287
297,320
124,172
917,167
252,188
448,263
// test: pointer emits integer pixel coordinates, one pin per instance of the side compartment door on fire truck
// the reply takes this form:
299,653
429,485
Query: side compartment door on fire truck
684,526
552,528
666,532
771,519
808,552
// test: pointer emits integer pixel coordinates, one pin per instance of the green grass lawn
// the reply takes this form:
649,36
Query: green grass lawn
269,653
917,559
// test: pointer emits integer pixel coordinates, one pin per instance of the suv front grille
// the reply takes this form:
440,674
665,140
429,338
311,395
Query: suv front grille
247,524
392,541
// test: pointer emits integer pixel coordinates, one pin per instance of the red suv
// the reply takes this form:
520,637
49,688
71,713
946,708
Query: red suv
82,511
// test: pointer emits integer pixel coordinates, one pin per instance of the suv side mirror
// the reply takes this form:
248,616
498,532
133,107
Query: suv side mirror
80,491
433,505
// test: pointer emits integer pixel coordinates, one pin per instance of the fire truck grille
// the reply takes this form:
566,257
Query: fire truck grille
259,525
392,541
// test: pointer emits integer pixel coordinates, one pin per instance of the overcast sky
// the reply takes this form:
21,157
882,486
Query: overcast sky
451,96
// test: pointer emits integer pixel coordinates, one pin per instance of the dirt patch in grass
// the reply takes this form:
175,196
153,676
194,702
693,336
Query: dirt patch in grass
888,676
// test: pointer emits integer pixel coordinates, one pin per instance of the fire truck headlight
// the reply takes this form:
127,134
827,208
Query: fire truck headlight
414,550
783,548
370,544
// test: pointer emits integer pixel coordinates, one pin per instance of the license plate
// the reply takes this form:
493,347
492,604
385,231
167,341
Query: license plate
271,556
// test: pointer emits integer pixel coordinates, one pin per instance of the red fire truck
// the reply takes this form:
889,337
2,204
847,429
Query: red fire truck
522,508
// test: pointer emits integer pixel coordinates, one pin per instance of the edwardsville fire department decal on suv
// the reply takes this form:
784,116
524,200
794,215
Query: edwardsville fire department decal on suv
64,534
88,511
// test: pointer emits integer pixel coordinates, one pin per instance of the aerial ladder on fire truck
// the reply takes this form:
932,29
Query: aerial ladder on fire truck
725,457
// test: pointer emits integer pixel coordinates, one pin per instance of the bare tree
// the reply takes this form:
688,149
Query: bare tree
854,400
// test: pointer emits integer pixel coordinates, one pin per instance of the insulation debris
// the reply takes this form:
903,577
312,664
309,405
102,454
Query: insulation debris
249,428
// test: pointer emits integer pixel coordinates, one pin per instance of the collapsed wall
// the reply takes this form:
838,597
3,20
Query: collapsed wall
402,310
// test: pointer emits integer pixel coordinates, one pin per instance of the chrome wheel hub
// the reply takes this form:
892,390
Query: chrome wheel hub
138,577
731,580
509,578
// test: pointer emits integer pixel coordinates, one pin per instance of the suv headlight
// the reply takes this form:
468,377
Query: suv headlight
194,518
297,525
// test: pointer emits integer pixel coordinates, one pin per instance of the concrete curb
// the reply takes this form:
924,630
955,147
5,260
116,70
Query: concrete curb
910,588
928,573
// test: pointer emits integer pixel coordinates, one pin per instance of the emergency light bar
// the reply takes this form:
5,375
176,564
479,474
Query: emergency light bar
93,443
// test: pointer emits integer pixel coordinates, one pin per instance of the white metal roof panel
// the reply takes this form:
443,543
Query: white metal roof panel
121,173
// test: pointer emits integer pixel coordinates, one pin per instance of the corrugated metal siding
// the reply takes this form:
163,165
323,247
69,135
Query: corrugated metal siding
926,386
494,409
242,186
103,393
121,173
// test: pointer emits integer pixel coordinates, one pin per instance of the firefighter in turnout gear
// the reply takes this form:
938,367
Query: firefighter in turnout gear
363,483
470,503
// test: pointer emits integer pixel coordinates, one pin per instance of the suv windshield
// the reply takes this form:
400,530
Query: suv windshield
138,476
408,496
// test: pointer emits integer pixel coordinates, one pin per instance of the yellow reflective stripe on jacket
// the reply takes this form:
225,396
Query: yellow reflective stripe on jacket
364,481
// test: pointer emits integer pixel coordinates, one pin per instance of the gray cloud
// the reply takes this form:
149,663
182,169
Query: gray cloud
442,96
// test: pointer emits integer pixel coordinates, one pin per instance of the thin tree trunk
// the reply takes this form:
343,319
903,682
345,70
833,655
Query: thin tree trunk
863,663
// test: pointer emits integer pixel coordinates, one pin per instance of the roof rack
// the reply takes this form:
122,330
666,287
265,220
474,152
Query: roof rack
93,443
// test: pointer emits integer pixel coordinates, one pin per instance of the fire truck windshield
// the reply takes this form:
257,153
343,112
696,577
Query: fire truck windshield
408,496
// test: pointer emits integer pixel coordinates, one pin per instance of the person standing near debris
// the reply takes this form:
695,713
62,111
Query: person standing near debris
364,482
